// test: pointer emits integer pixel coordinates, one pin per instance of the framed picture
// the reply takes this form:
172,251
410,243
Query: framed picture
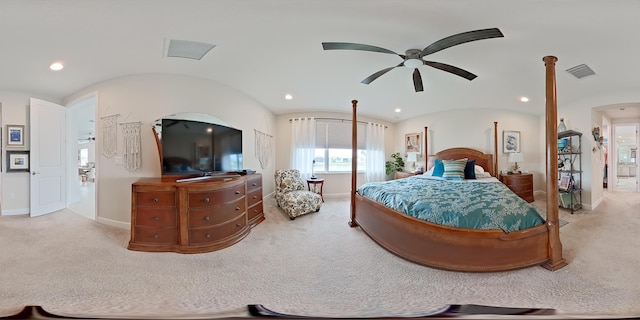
17,161
511,141
413,142
564,183
15,135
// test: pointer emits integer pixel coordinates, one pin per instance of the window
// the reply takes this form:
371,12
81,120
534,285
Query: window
333,147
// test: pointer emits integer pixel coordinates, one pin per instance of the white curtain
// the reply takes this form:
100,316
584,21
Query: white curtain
303,145
375,153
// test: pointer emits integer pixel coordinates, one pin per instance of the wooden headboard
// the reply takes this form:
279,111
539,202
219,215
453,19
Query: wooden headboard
485,160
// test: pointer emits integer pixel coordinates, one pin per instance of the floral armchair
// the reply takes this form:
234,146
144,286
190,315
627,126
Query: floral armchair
292,195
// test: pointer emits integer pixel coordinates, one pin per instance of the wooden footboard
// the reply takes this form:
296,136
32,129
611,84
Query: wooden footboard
450,248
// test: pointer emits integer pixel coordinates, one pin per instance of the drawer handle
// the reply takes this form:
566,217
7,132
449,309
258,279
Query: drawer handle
237,208
206,200
255,210
255,184
156,218
206,218
156,199
237,192
207,235
156,236
255,197
238,225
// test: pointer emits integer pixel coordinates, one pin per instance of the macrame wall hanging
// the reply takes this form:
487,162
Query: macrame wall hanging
109,135
132,153
262,147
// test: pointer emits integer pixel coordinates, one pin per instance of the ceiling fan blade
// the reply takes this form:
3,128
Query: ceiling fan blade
461,38
451,69
417,80
376,75
356,46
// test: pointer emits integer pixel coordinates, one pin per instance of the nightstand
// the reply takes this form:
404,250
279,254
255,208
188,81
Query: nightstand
404,174
520,183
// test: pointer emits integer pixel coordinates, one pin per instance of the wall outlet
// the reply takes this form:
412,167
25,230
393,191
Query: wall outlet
118,160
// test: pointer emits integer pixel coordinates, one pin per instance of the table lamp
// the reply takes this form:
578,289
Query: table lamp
412,157
514,158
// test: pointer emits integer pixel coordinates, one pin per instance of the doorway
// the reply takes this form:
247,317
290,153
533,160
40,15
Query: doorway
81,186
625,158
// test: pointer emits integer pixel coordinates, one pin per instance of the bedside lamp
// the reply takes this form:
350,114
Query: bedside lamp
412,157
514,158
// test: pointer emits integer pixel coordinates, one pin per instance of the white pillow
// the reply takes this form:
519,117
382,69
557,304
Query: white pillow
478,169
429,172
483,175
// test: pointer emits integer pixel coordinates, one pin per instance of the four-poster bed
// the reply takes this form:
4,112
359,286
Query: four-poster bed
466,249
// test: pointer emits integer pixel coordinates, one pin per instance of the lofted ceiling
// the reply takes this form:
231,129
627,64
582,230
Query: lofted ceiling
269,48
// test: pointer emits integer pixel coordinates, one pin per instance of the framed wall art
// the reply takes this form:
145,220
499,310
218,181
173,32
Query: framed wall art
413,142
511,141
15,135
17,161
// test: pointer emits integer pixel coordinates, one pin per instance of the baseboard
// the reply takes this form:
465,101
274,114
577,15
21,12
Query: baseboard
15,212
114,223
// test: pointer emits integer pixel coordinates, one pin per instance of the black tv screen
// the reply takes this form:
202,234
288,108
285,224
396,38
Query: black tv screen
193,147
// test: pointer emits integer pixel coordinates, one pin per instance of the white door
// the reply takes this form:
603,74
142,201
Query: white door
48,157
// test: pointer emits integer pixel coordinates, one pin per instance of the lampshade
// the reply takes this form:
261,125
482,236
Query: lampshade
412,156
516,157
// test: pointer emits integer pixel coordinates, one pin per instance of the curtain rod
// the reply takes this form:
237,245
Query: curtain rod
343,120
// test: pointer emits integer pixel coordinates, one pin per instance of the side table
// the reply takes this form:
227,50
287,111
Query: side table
317,186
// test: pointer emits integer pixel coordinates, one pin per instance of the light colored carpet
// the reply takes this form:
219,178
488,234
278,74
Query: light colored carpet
314,265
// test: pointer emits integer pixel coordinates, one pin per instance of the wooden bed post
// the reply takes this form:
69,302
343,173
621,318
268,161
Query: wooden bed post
495,148
354,163
556,261
426,149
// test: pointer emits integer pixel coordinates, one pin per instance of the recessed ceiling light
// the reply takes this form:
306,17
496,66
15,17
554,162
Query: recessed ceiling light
288,96
56,66
397,110
524,99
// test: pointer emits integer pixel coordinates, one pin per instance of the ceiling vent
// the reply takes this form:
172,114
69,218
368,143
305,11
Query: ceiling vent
581,71
188,49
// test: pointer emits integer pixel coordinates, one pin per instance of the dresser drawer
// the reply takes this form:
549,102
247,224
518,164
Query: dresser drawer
209,198
525,187
254,182
155,198
217,233
254,197
254,211
210,216
156,217
156,235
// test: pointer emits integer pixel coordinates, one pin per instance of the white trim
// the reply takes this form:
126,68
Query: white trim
114,223
15,212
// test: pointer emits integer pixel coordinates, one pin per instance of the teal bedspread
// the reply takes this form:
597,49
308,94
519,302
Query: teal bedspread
471,204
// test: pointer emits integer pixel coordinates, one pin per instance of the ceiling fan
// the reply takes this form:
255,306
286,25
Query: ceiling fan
413,58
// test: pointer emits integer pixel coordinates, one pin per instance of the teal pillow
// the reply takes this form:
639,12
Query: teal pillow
470,169
454,169
438,168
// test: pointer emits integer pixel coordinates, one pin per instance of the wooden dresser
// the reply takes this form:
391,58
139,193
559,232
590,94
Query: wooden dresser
521,184
196,216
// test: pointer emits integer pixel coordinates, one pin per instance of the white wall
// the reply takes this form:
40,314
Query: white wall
474,129
146,98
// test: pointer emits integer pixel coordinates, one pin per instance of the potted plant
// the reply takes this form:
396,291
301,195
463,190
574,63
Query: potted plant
397,164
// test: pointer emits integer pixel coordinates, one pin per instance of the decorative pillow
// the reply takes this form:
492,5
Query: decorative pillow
429,172
469,169
438,168
454,169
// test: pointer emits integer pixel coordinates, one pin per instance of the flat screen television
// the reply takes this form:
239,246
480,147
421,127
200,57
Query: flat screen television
191,147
